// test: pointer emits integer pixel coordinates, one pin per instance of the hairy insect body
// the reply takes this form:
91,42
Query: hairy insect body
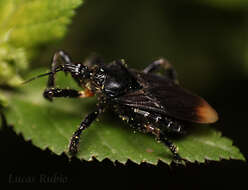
140,120
148,102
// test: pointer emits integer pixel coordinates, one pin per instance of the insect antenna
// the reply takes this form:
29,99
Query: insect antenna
41,75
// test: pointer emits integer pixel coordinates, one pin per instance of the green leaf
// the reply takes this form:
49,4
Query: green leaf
24,26
3,100
31,22
11,60
50,125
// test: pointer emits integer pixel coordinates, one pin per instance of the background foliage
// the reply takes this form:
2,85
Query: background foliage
25,26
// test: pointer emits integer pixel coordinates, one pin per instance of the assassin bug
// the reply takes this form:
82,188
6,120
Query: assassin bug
148,101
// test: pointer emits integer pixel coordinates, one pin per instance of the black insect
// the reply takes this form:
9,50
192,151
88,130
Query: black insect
148,101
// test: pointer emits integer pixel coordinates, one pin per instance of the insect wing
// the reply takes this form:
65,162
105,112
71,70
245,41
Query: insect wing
163,96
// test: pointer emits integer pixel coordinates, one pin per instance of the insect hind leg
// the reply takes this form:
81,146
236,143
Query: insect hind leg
163,64
172,147
162,137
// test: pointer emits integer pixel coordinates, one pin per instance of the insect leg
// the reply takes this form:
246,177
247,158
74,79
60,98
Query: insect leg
73,146
55,63
51,90
171,146
50,93
162,137
165,65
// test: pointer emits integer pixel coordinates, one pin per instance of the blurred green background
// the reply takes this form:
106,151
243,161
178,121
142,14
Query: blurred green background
206,44
203,42
206,41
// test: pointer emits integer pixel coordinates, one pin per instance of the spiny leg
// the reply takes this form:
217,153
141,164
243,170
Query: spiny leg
162,137
55,64
74,142
172,147
50,93
165,65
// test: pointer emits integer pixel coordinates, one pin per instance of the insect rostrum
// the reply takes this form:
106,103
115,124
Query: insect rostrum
149,102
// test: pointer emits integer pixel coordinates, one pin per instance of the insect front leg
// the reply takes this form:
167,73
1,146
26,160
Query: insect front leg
74,142
55,64
67,66
165,65
50,93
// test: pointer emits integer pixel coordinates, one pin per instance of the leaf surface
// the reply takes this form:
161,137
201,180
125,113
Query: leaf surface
25,25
